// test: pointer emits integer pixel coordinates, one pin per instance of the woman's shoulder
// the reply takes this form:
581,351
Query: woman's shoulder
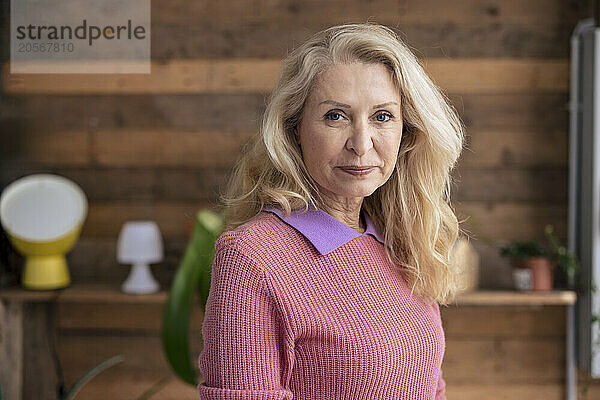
256,236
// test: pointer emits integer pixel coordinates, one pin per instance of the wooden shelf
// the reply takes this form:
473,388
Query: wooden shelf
508,297
83,293
111,293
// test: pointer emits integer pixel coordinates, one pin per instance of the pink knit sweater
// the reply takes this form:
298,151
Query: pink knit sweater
307,308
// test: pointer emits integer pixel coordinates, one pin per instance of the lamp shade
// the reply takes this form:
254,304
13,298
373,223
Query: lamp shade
42,215
139,242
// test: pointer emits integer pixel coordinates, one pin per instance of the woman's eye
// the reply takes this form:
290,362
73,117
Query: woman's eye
383,117
333,116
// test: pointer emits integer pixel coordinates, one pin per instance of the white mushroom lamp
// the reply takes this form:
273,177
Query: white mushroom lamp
42,215
140,244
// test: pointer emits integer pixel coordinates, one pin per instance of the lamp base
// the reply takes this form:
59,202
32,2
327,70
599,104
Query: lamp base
140,281
45,272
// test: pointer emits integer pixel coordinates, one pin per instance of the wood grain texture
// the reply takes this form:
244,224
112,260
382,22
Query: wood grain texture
274,39
515,149
90,311
161,146
543,184
105,219
40,373
464,322
492,221
383,11
115,318
11,348
540,391
142,354
492,112
193,184
255,75
221,148
485,220
118,383
504,361
93,260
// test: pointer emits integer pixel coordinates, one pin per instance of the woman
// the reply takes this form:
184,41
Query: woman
327,280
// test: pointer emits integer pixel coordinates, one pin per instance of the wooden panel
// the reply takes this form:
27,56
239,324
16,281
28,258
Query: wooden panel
206,184
119,383
490,221
499,75
464,322
123,385
502,361
258,75
174,76
169,148
274,38
40,373
135,184
529,112
515,148
543,114
106,219
221,112
459,322
20,144
545,184
102,316
142,354
11,348
146,318
215,148
485,220
536,12
492,361
544,391
93,260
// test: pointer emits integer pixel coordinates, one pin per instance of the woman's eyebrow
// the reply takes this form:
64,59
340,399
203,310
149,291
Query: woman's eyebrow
385,104
338,104
335,103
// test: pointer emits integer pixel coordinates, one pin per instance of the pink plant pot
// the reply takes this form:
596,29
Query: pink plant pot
542,273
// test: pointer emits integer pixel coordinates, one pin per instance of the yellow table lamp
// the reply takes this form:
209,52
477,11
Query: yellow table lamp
42,215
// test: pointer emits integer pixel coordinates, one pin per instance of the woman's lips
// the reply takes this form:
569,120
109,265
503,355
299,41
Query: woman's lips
358,171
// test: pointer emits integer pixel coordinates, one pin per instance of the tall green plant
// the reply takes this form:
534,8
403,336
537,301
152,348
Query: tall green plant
90,374
193,273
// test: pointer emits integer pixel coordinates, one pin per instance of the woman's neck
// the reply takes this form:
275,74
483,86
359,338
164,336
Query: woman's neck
347,212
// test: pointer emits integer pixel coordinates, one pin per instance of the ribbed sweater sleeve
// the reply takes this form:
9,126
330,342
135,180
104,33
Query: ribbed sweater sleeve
440,393
245,347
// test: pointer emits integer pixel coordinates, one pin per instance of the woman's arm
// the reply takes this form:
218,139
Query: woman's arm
440,393
245,350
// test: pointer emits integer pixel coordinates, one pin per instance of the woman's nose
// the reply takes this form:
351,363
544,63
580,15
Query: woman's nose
360,140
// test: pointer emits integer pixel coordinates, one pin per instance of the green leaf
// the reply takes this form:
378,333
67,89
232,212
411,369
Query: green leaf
155,388
90,374
194,271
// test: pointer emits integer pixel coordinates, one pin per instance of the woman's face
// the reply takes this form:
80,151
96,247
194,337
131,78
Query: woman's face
351,121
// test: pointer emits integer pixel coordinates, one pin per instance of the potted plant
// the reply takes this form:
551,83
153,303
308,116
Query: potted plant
531,262
193,274
566,262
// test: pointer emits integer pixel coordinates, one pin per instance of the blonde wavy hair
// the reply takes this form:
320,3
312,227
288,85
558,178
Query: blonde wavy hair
412,208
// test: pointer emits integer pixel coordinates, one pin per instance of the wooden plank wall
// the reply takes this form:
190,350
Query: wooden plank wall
517,354
162,146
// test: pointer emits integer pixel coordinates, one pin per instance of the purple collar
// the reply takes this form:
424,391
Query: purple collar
321,229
